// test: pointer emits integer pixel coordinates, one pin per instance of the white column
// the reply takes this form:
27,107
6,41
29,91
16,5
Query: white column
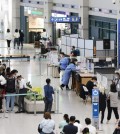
47,14
15,15
84,14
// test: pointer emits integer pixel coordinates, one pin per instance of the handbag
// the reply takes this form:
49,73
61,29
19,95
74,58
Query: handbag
39,129
45,99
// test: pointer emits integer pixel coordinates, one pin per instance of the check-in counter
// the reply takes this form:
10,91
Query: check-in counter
83,79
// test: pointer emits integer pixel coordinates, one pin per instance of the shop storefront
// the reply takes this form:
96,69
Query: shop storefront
32,21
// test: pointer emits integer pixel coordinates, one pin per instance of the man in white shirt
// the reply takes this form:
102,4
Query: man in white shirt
2,83
92,129
22,90
80,127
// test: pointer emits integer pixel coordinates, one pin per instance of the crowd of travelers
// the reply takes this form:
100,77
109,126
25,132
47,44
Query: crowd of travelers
10,84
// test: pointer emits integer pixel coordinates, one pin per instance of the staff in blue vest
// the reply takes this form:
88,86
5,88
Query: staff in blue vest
64,61
68,71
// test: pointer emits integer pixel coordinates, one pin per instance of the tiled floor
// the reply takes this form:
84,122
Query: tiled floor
69,102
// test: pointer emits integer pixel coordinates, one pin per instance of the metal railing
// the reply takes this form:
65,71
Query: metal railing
56,101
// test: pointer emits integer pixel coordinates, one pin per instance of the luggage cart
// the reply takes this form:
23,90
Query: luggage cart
40,51
37,47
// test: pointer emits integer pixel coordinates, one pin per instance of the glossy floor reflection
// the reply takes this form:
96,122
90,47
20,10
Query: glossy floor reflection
69,102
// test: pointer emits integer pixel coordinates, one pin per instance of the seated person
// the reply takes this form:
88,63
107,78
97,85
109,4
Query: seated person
117,130
92,129
91,84
83,92
85,131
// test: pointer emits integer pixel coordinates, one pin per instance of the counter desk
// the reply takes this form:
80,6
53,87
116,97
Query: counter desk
83,79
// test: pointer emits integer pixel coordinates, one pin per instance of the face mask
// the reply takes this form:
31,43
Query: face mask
95,83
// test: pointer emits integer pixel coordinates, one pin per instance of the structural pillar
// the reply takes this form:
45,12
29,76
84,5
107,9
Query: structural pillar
48,5
15,15
84,14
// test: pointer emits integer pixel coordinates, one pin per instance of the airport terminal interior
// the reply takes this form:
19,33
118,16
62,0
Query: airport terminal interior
72,43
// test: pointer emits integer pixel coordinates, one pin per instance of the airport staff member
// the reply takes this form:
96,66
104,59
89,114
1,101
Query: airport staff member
64,61
68,71
48,91
75,52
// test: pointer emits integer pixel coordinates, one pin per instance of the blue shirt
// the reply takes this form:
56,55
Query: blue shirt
48,90
64,63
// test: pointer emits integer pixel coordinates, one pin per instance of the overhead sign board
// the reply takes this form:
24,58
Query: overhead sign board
71,19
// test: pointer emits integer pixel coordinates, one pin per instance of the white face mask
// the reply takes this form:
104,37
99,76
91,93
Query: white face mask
95,83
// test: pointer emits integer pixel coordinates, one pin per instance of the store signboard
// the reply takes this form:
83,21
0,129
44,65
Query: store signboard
119,42
33,11
95,107
71,19
36,13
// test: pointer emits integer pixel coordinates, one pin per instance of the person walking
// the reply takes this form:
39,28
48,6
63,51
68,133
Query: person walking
70,128
21,38
10,89
47,125
113,103
64,122
16,38
22,90
64,61
102,104
2,88
68,71
48,91
8,38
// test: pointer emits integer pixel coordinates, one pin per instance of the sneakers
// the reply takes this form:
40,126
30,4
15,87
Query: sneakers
17,112
67,88
61,87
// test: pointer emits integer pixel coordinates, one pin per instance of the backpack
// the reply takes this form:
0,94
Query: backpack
77,52
10,86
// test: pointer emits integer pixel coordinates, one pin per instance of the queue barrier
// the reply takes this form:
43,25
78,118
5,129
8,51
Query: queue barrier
56,101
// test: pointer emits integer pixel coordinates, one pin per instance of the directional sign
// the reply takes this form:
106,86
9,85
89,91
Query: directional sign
95,110
95,92
95,107
71,19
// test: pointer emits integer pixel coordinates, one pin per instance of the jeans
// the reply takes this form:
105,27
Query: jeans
10,100
48,106
21,103
21,43
16,41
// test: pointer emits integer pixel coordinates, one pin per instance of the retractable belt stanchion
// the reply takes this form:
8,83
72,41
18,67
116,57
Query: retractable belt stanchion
56,101
34,104
4,107
4,101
